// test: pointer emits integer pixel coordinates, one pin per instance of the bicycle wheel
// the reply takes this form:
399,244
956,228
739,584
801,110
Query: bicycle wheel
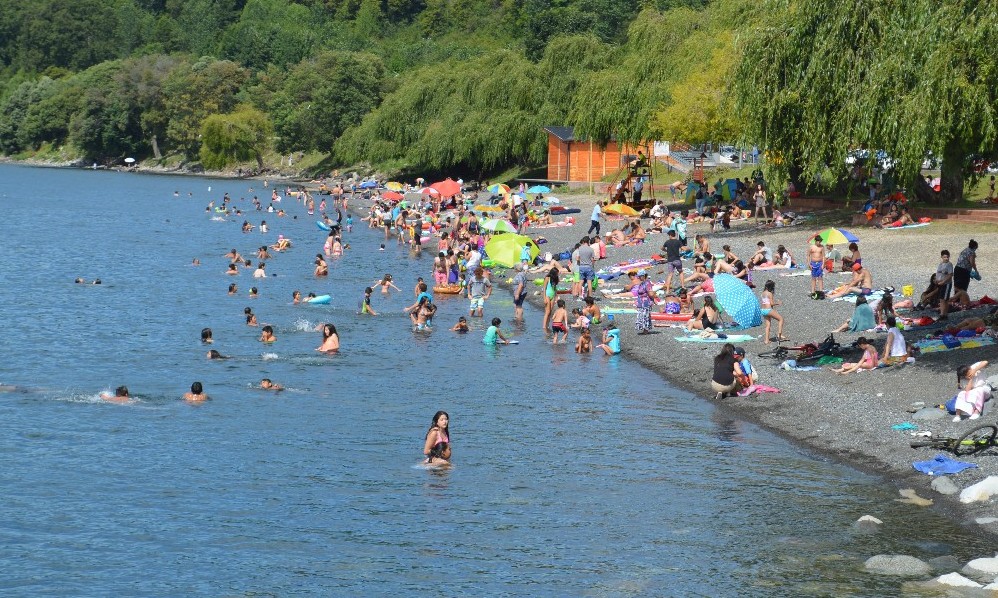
936,443
976,440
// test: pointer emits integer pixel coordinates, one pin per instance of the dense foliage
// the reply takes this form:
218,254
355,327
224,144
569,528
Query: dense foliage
469,84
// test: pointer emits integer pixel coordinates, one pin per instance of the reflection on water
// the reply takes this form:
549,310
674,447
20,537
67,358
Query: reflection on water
569,477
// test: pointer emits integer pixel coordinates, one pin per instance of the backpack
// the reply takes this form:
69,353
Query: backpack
818,295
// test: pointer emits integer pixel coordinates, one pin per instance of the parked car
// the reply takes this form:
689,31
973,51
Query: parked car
728,154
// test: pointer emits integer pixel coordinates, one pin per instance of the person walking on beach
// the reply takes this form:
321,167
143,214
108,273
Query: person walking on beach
585,259
643,301
594,219
673,249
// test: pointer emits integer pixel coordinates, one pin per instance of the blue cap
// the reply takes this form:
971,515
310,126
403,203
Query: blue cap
642,272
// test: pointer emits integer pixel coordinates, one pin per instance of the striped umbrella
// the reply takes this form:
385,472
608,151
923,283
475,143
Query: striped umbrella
498,189
393,186
837,236
496,225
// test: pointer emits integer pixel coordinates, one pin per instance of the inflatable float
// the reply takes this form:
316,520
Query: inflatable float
320,300
448,289
322,225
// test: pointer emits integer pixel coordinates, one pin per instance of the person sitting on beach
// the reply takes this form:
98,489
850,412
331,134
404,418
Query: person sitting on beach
591,310
868,361
783,258
585,342
884,308
724,382
848,261
617,238
581,321
862,318
895,347
706,317
197,394
672,304
974,391
120,396
745,374
611,340
762,254
268,384
637,234
860,284
832,256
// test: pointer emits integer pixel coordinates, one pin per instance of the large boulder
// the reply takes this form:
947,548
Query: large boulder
983,570
981,491
945,564
897,564
944,485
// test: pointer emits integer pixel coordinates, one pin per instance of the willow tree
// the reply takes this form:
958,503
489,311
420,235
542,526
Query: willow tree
823,77
236,137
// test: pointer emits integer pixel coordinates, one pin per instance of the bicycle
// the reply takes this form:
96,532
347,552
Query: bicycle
972,442
808,352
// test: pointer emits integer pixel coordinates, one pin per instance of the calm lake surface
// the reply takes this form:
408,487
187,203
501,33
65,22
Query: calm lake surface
574,475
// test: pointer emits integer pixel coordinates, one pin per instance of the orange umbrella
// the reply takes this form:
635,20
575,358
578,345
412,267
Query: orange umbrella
620,210
392,195
447,188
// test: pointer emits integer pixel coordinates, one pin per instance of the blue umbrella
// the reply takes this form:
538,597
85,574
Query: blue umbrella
539,189
369,184
738,300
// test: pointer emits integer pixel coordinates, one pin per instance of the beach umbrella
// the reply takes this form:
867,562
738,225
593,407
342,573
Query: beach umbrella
497,225
620,210
393,186
429,191
551,199
498,189
505,249
738,300
129,160
539,189
837,236
393,195
447,188
369,185
486,209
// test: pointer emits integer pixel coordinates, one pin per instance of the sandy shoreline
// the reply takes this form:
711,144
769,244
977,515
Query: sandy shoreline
847,417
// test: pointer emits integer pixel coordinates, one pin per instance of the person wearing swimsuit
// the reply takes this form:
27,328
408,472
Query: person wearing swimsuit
768,304
437,446
869,360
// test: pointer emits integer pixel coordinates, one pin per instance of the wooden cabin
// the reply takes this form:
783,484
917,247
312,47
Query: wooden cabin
571,160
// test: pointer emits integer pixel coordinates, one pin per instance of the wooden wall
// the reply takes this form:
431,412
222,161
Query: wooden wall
581,161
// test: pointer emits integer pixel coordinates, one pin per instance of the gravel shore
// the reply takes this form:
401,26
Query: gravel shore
850,416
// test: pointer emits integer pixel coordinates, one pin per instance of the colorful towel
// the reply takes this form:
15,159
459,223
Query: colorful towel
919,225
937,345
759,388
942,465
732,338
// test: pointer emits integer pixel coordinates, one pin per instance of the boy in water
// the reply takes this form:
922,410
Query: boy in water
267,335
492,335
559,322
266,384
365,306
120,395
461,326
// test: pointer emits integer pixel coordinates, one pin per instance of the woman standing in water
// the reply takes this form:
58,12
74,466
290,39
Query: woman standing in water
330,339
437,444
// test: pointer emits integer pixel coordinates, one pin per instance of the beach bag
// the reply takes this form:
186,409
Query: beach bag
951,406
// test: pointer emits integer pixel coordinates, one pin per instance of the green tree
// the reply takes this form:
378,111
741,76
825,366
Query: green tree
193,93
323,96
105,124
236,137
74,34
700,109
269,32
822,77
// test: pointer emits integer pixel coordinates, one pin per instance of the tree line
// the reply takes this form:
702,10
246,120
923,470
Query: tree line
469,84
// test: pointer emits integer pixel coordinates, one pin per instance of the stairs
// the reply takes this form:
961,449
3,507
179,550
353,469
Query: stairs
968,215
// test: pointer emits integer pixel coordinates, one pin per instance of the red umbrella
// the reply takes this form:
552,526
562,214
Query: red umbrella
393,195
429,191
448,188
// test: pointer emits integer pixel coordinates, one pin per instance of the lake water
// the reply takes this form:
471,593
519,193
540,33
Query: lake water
574,475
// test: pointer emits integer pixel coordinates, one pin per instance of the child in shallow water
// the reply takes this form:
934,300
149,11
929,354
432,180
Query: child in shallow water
585,342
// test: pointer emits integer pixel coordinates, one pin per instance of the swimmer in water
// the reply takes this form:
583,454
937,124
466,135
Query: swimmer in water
120,395
233,289
365,306
296,297
385,283
330,339
80,281
254,293
196,262
267,384
437,445
206,336
266,334
461,326
321,268
213,354
232,271
251,319
196,395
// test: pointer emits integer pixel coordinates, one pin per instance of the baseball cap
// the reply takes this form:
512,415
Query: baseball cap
739,351
857,267
642,272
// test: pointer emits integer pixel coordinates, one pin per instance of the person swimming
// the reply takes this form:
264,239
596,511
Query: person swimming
120,395
196,394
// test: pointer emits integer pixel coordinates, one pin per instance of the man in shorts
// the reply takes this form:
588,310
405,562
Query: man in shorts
673,249
585,259
816,259
479,289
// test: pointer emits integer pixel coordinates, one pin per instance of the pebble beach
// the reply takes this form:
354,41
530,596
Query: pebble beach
848,417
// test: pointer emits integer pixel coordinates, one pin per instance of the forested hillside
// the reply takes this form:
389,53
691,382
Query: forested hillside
467,84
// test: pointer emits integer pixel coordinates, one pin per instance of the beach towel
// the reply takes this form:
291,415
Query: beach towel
757,388
937,345
904,426
919,225
731,338
942,465
797,272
